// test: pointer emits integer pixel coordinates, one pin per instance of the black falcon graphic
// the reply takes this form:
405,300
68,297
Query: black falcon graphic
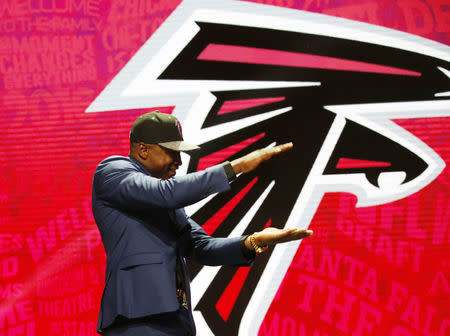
332,95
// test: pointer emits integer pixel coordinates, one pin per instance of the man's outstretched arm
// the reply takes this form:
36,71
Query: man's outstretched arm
250,161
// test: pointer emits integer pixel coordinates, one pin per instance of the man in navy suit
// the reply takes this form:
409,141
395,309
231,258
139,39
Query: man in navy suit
138,206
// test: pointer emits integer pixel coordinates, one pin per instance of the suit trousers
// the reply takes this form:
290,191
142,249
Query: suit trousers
176,323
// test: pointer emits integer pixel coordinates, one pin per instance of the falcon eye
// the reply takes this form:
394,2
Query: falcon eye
346,163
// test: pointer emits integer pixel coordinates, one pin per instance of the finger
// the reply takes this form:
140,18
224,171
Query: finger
284,147
279,149
299,234
308,233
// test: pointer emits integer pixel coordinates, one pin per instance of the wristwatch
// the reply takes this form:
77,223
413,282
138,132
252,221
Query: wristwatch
258,249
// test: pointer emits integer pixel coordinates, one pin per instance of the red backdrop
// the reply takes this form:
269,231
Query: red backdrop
367,271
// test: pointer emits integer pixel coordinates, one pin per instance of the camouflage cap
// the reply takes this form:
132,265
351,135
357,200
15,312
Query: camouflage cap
162,129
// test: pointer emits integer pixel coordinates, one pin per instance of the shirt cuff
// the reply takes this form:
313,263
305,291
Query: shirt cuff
248,254
231,176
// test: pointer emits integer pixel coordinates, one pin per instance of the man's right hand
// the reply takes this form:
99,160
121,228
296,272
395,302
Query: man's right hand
250,161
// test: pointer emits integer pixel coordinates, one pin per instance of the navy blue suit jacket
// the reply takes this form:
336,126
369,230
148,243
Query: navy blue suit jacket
144,228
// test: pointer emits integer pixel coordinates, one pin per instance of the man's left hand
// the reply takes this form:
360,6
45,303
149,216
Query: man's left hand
273,236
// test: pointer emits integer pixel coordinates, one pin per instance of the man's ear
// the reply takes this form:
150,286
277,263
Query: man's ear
143,150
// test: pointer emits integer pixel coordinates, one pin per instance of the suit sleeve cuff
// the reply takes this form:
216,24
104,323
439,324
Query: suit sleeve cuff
248,254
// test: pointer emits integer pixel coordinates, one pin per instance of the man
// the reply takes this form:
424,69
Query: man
138,206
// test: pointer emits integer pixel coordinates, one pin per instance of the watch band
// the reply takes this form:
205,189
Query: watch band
231,176
258,249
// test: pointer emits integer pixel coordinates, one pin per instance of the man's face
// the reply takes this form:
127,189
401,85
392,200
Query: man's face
163,162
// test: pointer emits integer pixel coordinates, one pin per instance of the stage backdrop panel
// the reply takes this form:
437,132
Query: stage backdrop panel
368,111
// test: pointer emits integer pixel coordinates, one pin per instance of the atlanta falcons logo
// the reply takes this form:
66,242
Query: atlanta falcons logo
243,76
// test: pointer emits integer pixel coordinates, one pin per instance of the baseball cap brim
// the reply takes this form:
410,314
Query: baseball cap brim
179,146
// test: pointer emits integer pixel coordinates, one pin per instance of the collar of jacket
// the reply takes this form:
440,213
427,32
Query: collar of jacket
140,166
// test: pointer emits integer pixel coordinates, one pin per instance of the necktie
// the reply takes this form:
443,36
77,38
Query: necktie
179,273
